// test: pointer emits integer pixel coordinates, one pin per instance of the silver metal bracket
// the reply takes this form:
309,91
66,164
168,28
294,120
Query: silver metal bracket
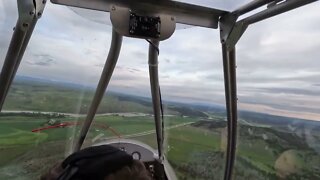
231,30
39,6
28,11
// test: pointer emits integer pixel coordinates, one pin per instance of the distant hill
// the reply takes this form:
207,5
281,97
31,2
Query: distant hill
36,80
36,94
273,120
29,93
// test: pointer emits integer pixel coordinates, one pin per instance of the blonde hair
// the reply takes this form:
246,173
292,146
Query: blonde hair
136,171
53,173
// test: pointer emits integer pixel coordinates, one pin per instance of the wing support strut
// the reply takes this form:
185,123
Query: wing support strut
231,31
29,13
275,8
107,72
229,68
155,92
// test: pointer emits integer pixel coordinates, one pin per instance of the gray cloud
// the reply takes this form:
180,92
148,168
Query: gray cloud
167,60
295,91
139,54
46,62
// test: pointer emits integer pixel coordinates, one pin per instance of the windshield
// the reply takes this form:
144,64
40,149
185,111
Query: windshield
278,75
278,72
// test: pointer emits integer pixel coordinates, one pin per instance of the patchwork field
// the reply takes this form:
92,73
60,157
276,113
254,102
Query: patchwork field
195,138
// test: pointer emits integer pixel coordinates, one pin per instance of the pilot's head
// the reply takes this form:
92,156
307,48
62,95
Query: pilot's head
98,163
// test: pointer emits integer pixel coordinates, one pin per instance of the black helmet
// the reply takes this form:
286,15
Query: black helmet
94,163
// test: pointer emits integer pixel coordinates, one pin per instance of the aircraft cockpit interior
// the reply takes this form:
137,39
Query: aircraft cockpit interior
159,80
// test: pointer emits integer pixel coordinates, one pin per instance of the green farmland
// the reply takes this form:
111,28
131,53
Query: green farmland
18,142
195,139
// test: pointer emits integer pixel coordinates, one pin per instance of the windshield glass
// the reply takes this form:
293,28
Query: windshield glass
278,90
56,81
278,125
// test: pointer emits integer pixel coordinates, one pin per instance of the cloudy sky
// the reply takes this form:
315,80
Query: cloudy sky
278,59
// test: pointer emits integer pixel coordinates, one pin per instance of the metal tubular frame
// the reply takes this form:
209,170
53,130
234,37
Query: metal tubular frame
107,72
251,6
155,92
10,62
230,33
276,10
29,13
229,69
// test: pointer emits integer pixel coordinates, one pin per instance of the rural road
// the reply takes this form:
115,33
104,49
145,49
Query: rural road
127,114
147,132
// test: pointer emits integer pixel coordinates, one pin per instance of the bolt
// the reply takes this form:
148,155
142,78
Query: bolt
44,1
39,14
25,24
31,13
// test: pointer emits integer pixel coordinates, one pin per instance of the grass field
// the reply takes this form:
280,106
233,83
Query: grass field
195,145
44,97
17,140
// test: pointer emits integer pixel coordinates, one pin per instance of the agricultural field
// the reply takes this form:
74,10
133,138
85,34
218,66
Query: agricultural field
21,147
195,139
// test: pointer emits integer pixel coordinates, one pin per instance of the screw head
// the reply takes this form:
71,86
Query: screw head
39,14
31,13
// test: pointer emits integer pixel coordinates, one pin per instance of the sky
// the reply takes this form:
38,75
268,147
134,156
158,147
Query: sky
278,67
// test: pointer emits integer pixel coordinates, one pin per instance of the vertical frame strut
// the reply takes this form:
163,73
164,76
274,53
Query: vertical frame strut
107,72
229,35
229,69
155,92
29,13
